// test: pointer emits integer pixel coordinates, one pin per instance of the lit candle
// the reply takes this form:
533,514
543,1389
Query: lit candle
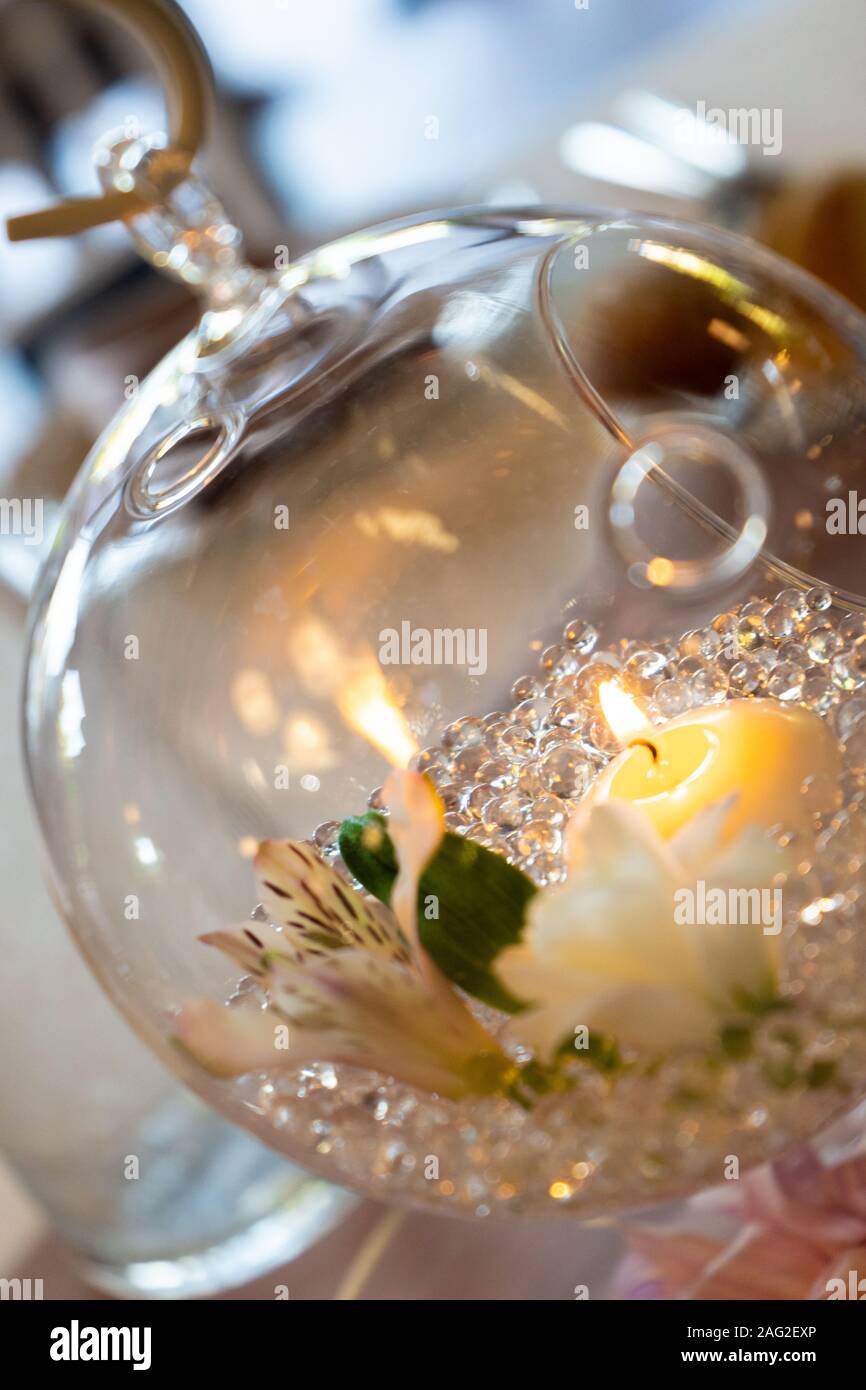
777,764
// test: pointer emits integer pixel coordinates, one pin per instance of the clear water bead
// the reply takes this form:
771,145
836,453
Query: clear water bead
516,740
566,662
672,697
794,651
794,599
552,655
544,869
554,738
430,760
725,624
568,714
818,599
551,809
600,735
532,713
493,733
497,716
476,799
749,632
848,716
325,836
822,642
449,794
852,627
818,693
848,669
565,771
580,635
467,761
537,837
525,687
644,668
786,682
766,659
530,781
590,678
745,676
704,642
463,733
779,621
497,772
507,812
710,686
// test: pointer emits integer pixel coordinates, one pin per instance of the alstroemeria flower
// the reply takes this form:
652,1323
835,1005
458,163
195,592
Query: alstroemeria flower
342,983
605,949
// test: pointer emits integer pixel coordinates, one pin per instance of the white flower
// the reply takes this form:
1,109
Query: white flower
605,950
342,978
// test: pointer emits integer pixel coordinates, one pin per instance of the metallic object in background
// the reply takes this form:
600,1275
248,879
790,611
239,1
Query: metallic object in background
186,78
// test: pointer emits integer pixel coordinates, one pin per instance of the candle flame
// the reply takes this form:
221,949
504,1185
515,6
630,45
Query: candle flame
622,712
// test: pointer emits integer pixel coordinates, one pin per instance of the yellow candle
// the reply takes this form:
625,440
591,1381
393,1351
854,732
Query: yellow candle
783,764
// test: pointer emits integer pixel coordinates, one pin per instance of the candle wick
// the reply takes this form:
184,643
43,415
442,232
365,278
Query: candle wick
645,743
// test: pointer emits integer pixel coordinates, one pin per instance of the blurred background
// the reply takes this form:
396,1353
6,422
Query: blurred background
331,116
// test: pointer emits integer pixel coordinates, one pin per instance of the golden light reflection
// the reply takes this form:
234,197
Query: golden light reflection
660,571
316,656
622,712
407,526
306,743
254,702
726,333
735,292
367,708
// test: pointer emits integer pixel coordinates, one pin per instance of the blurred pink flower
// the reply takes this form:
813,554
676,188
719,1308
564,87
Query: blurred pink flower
794,1229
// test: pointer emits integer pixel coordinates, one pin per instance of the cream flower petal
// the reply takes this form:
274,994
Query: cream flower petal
658,1014
614,914
699,838
744,955
607,950
416,826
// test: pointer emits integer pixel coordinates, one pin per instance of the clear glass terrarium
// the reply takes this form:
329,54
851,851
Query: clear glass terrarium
413,499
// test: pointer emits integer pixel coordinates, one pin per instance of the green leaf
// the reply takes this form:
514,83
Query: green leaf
736,1040
601,1051
369,854
821,1073
471,903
